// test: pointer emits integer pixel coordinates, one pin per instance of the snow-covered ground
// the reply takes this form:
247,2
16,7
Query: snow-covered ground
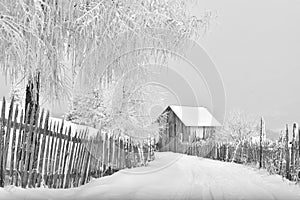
174,176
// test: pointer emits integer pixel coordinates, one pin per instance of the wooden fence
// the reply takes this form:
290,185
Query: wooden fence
281,157
46,153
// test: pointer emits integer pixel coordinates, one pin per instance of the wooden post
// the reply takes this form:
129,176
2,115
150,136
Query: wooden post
38,150
13,146
47,150
260,143
70,162
19,150
2,133
61,158
42,150
287,153
293,155
52,156
7,134
66,155
57,168
85,164
99,154
149,149
89,160
76,158
122,154
299,146
110,151
80,158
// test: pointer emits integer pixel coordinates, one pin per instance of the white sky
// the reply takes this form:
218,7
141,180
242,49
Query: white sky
256,46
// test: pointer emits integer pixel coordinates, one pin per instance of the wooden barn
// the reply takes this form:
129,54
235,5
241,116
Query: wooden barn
185,124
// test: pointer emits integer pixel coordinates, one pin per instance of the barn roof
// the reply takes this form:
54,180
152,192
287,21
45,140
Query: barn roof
194,116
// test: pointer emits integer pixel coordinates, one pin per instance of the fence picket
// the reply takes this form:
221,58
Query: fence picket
77,158
43,161
47,156
37,149
66,155
99,155
287,153
86,162
2,134
70,162
80,160
299,152
58,161
110,152
53,153
19,151
104,162
13,146
51,163
72,170
61,162
7,136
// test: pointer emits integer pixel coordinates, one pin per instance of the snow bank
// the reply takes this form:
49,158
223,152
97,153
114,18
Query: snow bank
174,176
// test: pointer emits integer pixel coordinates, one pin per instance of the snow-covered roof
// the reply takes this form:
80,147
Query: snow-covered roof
195,116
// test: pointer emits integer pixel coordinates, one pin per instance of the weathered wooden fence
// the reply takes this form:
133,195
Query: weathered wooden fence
46,153
281,157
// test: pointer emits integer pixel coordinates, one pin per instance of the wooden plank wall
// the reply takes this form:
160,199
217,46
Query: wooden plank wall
44,153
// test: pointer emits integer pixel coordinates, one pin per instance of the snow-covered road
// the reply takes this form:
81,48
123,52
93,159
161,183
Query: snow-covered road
174,176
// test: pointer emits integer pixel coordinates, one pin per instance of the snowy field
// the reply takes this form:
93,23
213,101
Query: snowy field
174,176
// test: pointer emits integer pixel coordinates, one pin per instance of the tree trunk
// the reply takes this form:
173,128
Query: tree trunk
32,101
32,96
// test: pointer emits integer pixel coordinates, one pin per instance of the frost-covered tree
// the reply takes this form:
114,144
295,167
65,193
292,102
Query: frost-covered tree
239,126
88,109
50,43
124,105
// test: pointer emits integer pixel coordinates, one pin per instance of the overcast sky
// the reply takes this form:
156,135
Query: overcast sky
256,47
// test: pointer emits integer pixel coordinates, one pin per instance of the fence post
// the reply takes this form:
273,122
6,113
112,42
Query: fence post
69,166
287,153
7,135
19,149
13,146
298,147
149,149
293,148
260,143
2,175
37,149
57,168
80,157
47,150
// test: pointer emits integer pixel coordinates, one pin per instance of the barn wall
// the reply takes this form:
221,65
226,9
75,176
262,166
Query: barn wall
175,132
202,132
